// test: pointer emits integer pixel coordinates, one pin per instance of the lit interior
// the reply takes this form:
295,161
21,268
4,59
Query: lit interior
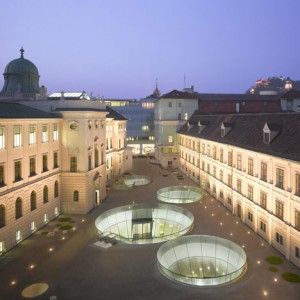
130,181
180,194
144,223
202,260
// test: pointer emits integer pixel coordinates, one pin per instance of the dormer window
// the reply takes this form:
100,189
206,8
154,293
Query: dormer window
225,128
201,125
189,126
270,132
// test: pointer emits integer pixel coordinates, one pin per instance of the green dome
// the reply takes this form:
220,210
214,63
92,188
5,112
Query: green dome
21,76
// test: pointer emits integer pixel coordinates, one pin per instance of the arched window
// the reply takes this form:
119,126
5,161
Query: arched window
2,216
33,200
18,208
56,189
76,196
45,194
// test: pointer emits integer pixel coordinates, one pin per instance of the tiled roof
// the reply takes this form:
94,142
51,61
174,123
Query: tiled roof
247,132
175,94
236,97
115,115
20,111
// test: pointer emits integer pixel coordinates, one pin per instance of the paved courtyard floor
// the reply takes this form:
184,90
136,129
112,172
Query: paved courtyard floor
75,269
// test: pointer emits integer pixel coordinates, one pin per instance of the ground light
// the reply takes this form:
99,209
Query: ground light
201,260
144,223
180,194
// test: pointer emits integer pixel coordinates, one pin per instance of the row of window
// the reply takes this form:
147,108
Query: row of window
32,168
280,176
33,203
17,135
96,123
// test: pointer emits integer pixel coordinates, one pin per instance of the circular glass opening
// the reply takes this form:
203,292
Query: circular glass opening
130,181
202,260
144,223
179,194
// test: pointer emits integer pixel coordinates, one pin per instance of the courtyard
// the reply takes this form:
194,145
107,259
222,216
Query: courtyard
75,268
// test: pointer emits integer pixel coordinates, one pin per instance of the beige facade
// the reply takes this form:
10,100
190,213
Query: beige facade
261,189
56,165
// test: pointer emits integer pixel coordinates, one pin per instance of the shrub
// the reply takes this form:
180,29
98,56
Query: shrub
291,277
274,260
273,269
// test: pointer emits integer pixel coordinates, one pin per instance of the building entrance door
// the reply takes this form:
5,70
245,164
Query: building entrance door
142,229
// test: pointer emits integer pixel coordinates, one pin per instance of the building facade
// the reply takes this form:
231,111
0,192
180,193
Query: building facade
251,164
56,155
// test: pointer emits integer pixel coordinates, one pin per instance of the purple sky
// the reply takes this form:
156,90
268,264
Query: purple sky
117,48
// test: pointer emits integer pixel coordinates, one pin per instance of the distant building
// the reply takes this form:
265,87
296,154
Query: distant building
273,86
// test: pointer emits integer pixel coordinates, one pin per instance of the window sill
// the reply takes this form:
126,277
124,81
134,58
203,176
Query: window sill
18,180
32,174
46,170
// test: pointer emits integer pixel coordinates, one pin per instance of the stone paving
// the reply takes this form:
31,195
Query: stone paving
76,269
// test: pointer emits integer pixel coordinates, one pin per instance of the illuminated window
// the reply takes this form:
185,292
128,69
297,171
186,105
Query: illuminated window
250,166
18,236
279,238
55,132
45,218
170,139
186,116
45,163
17,136
239,162
44,134
32,134
145,128
56,212
2,138
32,171
263,171
33,226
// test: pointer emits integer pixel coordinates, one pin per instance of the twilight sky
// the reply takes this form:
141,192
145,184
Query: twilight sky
116,48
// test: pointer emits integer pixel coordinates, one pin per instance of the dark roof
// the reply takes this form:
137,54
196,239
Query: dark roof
80,109
115,115
236,97
247,132
175,94
20,111
291,94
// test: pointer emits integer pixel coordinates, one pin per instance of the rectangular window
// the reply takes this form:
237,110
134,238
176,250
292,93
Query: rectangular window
250,192
2,178
263,171
239,185
214,152
73,164
214,171
297,192
297,254
18,170
279,209
279,238
55,160
203,165
279,178
170,139
221,155
208,168
2,138
229,180
250,166
45,163
32,166
297,220
170,104
221,175
250,216
230,158
32,134
17,136
44,134
263,200
239,162
55,132
186,116
263,226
